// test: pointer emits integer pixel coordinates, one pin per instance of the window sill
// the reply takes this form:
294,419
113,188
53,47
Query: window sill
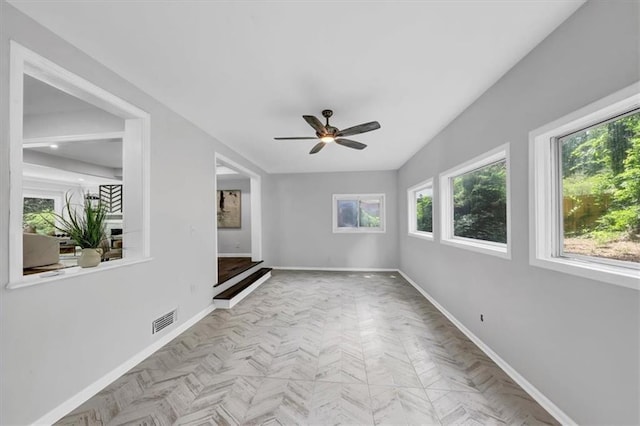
422,235
624,277
358,231
47,277
486,247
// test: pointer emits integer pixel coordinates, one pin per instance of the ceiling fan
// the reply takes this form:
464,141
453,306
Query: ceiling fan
327,133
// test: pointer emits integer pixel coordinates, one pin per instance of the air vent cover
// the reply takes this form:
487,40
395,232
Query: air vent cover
164,321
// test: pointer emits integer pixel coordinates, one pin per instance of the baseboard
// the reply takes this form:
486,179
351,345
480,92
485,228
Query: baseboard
82,396
318,268
545,402
234,254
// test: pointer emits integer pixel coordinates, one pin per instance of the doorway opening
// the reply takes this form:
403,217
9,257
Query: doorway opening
238,224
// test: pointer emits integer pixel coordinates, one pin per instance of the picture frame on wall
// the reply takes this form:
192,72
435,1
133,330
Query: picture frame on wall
229,207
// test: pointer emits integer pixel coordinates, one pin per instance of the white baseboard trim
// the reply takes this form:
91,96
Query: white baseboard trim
234,254
82,396
540,398
230,303
319,268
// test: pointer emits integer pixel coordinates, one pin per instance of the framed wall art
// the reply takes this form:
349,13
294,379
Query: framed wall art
228,202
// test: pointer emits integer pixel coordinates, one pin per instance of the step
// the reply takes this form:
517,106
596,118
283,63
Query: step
237,272
231,296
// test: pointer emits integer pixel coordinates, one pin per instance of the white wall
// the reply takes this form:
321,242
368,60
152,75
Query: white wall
231,240
574,339
299,228
71,123
59,337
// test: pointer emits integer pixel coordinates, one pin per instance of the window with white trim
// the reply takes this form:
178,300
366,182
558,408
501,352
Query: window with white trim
42,159
420,207
586,191
358,213
475,204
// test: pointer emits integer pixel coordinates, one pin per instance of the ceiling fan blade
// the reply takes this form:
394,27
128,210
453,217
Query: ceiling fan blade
317,147
315,123
295,138
360,128
351,144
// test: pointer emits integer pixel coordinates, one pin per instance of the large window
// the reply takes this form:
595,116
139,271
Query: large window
420,207
358,213
475,204
586,189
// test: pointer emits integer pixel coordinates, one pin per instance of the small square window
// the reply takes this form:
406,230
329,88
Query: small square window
420,207
358,213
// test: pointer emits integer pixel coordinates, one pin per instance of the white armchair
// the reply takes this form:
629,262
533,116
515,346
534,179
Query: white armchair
39,250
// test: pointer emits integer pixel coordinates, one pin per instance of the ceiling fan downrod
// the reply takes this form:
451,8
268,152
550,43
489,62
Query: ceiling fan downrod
326,113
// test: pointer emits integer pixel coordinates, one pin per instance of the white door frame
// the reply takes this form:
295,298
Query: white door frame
256,204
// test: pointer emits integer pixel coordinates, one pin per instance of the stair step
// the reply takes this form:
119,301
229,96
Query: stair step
234,294
227,275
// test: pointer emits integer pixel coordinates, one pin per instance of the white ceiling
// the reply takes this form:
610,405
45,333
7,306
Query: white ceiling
102,152
246,71
50,174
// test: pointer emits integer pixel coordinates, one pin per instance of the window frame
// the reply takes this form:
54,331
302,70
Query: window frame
545,186
412,213
136,166
447,235
358,230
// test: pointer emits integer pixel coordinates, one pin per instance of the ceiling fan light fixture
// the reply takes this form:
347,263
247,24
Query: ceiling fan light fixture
328,133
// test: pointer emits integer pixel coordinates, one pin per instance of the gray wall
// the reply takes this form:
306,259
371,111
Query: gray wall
574,339
237,240
298,226
59,337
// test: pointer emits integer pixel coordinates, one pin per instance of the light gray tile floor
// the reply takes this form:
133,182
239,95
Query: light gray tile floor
317,348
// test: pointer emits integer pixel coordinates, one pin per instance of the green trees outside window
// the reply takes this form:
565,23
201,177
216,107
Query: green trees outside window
370,213
480,203
358,213
38,215
424,210
600,169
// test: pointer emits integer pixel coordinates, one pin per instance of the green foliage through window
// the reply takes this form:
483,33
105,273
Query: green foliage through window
359,213
480,203
601,189
424,211
38,215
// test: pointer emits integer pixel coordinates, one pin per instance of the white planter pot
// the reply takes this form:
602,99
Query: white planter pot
90,258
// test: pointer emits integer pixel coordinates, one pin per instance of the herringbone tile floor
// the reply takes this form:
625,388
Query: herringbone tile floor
317,348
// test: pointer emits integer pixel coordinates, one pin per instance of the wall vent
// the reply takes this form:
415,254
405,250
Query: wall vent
164,321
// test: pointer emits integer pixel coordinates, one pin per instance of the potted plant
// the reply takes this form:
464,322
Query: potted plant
86,226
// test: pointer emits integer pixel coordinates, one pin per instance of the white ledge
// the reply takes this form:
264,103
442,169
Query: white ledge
423,235
624,277
76,271
480,246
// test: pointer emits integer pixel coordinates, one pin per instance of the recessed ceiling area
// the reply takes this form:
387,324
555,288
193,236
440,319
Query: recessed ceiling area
247,71
41,98
55,115
104,152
